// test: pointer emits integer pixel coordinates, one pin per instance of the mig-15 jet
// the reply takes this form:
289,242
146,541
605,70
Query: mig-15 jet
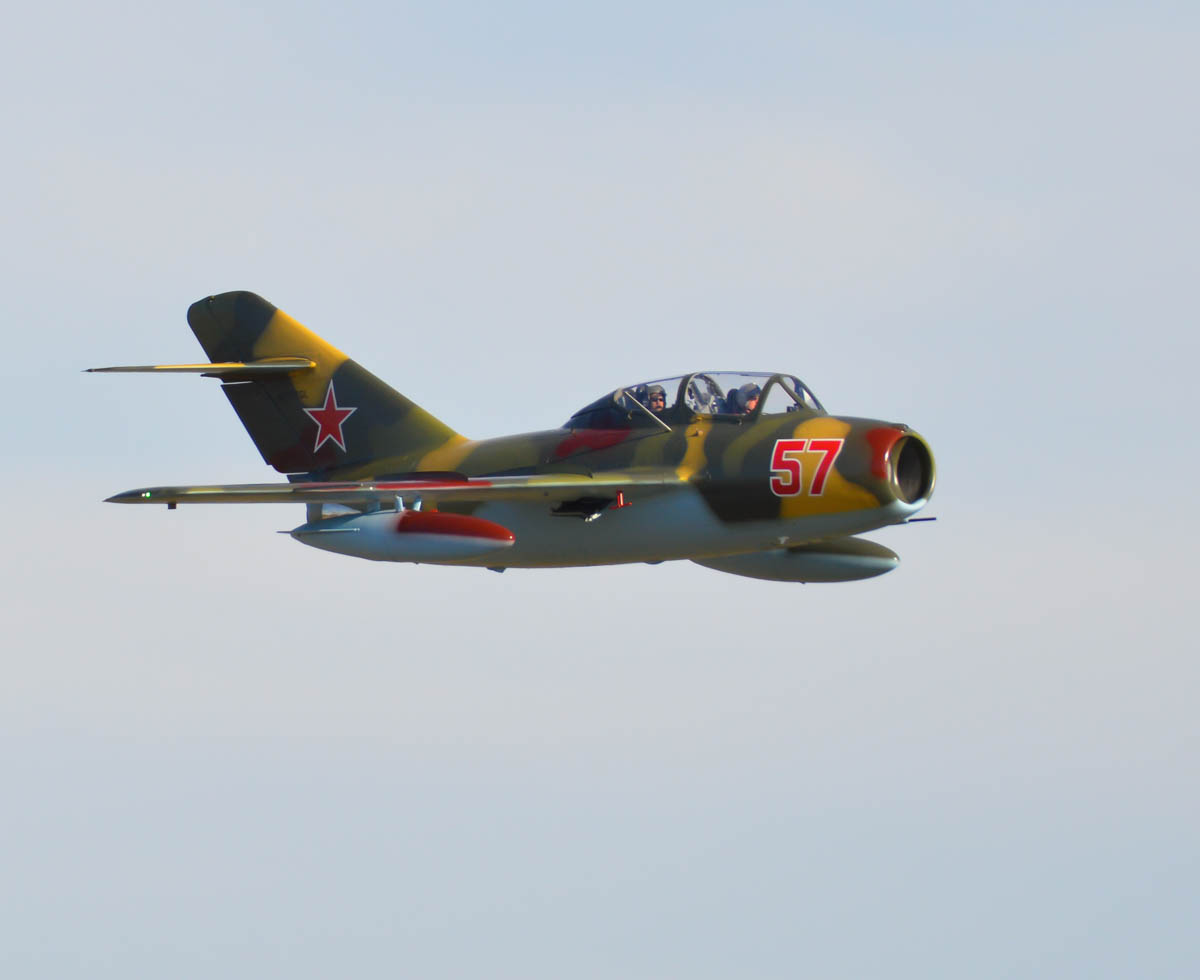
737,471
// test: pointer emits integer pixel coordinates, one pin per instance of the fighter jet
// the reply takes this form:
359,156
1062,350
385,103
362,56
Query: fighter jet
742,472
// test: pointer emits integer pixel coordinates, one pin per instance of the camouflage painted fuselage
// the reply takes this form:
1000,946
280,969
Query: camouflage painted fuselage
616,484
725,503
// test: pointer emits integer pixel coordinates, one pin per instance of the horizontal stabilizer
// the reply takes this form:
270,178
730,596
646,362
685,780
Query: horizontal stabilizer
218,369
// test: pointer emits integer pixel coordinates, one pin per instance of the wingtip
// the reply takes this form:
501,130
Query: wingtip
129,497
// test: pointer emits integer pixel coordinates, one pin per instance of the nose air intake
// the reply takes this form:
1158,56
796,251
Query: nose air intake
911,469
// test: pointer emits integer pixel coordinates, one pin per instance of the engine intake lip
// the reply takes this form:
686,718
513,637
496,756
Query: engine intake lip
910,464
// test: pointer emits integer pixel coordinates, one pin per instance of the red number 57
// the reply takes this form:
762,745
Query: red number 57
787,472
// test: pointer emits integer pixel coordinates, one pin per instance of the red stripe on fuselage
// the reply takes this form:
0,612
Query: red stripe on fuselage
881,442
590,439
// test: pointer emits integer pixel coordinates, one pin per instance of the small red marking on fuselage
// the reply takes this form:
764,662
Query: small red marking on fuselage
590,439
458,525
881,442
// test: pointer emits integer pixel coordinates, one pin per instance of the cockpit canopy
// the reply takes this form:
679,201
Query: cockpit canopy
728,395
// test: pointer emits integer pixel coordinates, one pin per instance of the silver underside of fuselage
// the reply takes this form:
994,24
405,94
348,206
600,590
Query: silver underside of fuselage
662,528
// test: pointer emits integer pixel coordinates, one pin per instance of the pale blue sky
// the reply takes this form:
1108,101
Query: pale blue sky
225,754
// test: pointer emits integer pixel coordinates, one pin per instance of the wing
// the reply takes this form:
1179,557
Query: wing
430,488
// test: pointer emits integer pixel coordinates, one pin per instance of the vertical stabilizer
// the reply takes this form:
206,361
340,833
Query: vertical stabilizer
332,416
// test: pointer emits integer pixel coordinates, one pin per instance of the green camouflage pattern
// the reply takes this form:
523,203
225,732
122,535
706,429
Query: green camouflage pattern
342,435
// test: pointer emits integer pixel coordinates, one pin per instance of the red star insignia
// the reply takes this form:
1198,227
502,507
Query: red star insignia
329,418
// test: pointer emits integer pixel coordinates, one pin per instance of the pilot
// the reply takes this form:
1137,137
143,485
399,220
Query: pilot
656,399
744,400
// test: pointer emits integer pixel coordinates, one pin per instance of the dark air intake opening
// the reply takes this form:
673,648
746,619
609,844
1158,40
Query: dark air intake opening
912,470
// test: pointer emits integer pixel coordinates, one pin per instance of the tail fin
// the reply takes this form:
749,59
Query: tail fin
334,415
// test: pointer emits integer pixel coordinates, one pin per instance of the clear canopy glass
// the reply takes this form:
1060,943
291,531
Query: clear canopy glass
717,394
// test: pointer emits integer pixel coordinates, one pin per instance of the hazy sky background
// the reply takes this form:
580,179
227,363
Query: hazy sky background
224,754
